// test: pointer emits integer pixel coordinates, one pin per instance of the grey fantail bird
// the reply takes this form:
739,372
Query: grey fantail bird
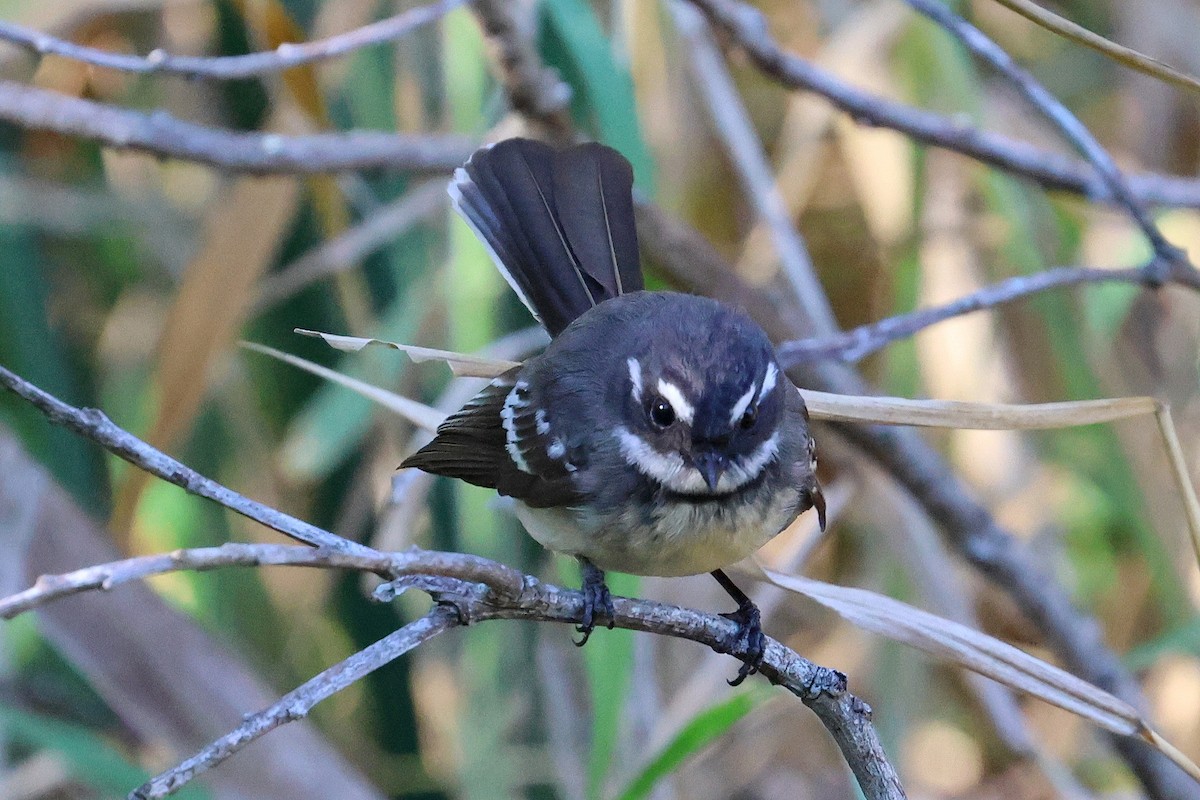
656,434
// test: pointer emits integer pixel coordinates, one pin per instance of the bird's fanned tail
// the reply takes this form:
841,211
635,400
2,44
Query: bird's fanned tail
558,223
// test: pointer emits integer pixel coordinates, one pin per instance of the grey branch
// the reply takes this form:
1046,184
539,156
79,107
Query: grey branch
476,589
854,345
95,425
225,68
161,134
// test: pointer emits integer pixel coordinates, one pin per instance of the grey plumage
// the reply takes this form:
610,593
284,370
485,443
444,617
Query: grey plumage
656,434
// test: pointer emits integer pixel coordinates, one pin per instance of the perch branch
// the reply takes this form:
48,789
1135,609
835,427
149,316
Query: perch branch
224,68
161,134
854,345
478,590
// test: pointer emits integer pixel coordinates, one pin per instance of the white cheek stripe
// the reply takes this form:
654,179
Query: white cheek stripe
670,471
666,468
672,394
744,470
508,421
741,405
768,381
635,377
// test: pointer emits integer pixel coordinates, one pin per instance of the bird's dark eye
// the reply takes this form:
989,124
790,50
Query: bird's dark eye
749,418
661,413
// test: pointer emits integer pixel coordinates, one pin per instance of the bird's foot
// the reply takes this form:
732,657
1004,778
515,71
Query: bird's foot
748,638
597,602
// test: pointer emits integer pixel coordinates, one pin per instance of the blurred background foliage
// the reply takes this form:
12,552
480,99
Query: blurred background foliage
126,283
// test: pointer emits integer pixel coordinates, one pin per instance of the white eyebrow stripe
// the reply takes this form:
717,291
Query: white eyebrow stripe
672,394
768,381
742,404
635,377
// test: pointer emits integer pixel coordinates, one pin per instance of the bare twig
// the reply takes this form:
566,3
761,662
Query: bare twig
1119,53
1060,116
161,134
297,703
95,425
478,589
226,68
854,345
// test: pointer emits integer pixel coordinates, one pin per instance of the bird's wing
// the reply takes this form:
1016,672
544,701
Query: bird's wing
500,440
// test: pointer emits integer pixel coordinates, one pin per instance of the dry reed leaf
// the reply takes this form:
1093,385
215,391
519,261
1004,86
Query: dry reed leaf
897,410
419,414
461,364
980,653
1119,53
218,288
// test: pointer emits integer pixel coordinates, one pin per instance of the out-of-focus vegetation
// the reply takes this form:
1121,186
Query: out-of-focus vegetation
126,283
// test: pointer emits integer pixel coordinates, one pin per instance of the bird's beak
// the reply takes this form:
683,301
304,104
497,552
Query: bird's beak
712,466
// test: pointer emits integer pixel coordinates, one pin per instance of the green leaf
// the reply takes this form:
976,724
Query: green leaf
703,729
89,759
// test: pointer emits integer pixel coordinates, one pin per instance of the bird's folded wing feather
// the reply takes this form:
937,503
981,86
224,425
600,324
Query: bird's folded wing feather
499,440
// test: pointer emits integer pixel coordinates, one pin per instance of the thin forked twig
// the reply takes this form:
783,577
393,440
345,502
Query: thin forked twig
1060,116
296,704
854,345
225,68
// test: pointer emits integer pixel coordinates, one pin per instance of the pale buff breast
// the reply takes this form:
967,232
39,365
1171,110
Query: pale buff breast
684,539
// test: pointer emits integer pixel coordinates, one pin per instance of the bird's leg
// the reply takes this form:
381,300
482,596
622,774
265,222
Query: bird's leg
749,628
596,600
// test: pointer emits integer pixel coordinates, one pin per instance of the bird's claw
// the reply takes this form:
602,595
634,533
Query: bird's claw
748,639
597,602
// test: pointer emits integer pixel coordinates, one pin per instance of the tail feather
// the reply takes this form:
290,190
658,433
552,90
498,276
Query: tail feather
558,223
